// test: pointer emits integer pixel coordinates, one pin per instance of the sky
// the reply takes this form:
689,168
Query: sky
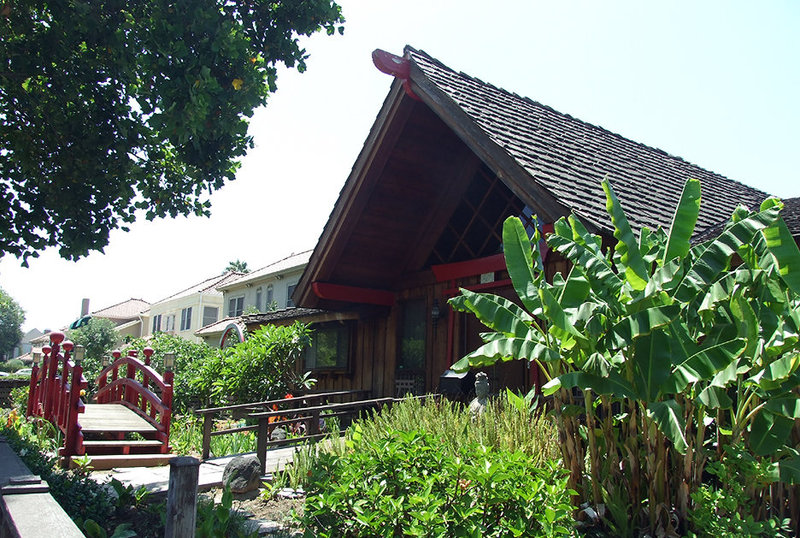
713,82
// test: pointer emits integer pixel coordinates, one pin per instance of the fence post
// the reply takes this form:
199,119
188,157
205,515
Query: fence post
182,497
208,424
261,442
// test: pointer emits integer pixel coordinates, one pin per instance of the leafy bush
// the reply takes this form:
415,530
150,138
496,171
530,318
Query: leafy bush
81,497
410,484
502,426
260,368
11,366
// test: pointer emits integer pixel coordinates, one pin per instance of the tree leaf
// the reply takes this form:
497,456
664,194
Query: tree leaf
683,222
782,246
668,416
769,432
520,258
627,247
704,365
497,313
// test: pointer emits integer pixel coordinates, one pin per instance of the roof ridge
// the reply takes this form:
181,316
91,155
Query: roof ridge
572,118
292,255
215,278
117,304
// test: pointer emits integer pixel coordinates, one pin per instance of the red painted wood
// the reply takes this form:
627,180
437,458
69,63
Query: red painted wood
352,294
478,266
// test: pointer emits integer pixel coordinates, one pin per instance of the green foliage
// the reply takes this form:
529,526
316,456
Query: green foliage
81,497
220,520
189,360
408,484
112,108
186,437
11,366
237,266
99,337
502,426
260,368
11,318
725,508
669,351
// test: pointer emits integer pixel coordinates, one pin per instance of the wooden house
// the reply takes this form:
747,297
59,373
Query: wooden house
448,159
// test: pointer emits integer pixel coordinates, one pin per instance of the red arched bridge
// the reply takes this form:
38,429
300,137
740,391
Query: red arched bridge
128,424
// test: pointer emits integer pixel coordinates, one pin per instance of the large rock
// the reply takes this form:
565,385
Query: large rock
242,474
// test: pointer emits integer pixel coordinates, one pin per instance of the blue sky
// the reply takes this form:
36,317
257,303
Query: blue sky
715,83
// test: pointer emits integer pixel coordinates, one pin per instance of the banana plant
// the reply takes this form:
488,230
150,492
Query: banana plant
696,342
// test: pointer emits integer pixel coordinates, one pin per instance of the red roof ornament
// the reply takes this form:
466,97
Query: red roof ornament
397,66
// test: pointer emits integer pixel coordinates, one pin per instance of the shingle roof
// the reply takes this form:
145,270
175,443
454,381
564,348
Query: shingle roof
791,214
291,312
569,157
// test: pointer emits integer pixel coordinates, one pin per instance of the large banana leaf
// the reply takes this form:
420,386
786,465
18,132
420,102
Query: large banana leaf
639,324
651,364
561,326
789,469
497,313
520,257
627,246
503,349
668,416
571,240
714,256
683,222
704,365
786,254
769,432
612,384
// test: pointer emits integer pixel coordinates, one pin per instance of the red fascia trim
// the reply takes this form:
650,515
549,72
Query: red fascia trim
352,294
397,66
479,266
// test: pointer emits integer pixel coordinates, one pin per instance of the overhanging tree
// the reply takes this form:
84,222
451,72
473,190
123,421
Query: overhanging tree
109,108
11,319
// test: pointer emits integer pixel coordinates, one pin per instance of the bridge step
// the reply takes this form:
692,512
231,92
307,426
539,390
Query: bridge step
121,444
105,462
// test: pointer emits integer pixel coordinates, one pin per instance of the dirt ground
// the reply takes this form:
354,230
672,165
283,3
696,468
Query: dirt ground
278,510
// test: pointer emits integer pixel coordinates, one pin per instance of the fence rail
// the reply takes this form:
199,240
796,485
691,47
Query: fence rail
310,418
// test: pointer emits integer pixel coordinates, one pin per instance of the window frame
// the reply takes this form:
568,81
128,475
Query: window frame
186,319
343,363
239,308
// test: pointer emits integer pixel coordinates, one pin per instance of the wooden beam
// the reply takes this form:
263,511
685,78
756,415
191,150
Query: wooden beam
479,266
352,294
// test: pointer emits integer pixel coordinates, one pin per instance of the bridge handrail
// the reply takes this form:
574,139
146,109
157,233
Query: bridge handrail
156,405
148,371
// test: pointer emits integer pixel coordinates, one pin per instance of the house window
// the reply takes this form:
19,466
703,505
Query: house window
186,319
270,298
236,306
258,298
330,347
289,293
210,314
170,323
156,323
411,355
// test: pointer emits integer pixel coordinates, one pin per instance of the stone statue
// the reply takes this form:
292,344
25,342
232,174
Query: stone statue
478,405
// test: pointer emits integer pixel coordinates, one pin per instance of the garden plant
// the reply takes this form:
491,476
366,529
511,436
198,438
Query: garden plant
671,360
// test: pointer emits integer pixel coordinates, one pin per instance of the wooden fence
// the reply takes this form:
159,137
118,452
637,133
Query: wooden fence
312,412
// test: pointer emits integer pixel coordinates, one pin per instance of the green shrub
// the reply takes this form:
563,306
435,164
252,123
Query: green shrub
410,484
260,368
502,426
11,366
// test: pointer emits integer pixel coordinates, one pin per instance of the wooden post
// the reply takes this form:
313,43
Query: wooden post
182,497
208,423
261,442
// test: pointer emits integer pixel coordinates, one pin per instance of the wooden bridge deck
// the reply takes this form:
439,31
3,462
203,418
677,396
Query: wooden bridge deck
112,418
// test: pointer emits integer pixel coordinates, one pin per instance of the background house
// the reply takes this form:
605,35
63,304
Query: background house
185,312
265,290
